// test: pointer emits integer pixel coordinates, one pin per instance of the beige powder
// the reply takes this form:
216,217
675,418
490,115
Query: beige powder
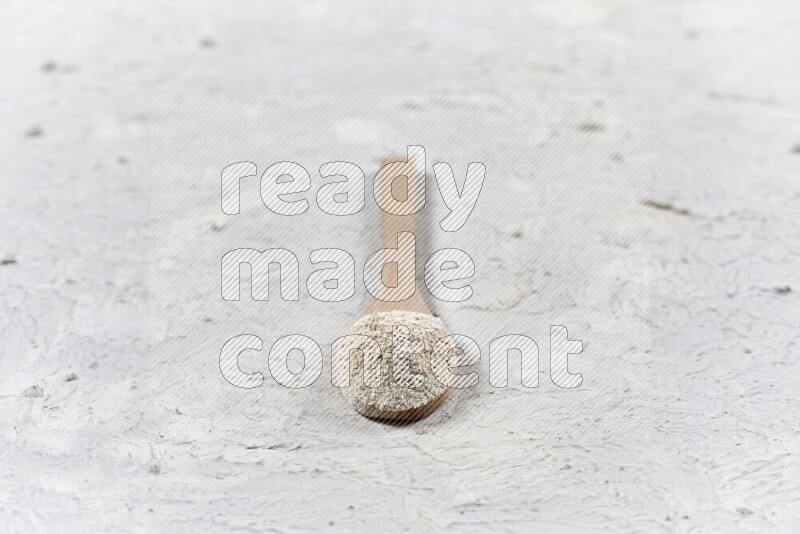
391,399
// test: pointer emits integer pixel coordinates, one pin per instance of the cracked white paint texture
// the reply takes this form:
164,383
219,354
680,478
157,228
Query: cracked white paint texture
697,432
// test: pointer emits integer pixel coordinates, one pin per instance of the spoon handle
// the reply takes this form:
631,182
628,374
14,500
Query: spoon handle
404,197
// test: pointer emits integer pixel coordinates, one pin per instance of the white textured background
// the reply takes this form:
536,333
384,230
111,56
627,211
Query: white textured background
701,432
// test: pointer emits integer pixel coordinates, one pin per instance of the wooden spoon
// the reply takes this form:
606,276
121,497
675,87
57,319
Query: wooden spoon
392,225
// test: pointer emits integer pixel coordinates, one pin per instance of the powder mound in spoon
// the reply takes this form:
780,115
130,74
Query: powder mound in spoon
410,383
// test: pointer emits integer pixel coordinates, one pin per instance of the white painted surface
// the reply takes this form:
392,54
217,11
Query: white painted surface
699,433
